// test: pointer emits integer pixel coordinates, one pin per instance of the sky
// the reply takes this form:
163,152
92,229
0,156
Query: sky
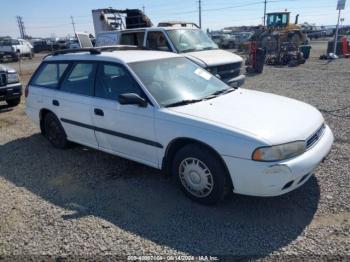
45,18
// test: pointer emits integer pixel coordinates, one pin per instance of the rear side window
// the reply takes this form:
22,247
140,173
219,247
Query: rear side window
49,75
80,80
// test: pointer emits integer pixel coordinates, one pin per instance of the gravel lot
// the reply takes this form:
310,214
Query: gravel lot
81,202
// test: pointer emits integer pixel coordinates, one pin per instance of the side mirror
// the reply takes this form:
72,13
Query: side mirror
132,99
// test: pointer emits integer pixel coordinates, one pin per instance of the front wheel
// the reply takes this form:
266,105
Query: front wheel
200,174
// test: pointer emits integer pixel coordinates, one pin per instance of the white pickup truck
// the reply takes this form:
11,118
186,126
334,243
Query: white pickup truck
14,48
193,43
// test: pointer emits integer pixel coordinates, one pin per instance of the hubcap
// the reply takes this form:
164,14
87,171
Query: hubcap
196,177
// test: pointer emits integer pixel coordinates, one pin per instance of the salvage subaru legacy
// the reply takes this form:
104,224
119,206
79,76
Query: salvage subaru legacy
164,111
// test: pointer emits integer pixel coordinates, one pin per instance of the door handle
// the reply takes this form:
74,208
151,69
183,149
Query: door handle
98,112
55,103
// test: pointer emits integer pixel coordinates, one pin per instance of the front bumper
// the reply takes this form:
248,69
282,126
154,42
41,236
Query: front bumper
10,91
8,56
235,82
276,178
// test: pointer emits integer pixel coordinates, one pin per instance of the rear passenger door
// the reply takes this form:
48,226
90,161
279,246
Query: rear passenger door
126,130
74,101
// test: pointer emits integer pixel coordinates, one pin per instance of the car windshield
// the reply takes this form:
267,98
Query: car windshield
190,40
176,80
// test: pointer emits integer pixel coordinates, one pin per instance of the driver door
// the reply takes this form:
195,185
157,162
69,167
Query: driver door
126,130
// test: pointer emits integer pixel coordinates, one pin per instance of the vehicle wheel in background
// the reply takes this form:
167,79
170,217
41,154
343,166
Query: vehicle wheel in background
55,132
13,102
200,174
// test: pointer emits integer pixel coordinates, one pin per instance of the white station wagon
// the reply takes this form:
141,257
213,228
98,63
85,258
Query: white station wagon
162,110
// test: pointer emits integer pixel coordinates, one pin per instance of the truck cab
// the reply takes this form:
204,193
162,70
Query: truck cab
191,42
12,49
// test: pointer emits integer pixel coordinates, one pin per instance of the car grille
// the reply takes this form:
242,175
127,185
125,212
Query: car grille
2,79
226,71
315,137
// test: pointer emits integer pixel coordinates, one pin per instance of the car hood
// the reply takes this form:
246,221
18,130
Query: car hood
4,68
214,57
272,119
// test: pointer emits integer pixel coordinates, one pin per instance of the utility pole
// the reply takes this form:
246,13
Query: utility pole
143,9
200,12
73,24
265,3
336,34
21,27
340,7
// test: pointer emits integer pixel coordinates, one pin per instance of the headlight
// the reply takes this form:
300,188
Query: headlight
12,78
280,152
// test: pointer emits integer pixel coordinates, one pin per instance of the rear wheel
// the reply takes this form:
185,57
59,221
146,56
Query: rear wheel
55,132
200,174
13,102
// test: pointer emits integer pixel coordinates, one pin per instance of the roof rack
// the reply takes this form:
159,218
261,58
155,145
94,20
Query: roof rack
97,50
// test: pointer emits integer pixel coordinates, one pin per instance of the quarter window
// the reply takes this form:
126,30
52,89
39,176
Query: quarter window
80,80
113,80
135,38
49,75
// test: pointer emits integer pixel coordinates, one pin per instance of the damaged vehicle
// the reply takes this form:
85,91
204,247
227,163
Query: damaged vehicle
191,42
179,37
167,112
10,86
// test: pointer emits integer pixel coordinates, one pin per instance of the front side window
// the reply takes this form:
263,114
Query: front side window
49,75
113,80
157,41
80,80
190,40
173,80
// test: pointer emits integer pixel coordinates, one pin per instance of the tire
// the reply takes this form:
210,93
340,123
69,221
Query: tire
195,167
54,131
13,102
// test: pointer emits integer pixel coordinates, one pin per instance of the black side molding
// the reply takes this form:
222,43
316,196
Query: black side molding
113,133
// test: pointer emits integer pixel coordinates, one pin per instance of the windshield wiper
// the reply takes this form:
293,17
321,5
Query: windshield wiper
209,48
188,50
184,102
222,92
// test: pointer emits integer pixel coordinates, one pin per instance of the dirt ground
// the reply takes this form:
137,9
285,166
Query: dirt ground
84,203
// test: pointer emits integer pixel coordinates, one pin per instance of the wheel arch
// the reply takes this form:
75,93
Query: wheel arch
176,144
